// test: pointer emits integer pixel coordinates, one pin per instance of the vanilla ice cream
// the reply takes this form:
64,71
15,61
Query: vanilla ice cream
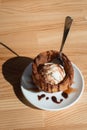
52,73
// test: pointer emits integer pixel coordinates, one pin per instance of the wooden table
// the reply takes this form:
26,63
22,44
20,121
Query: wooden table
28,28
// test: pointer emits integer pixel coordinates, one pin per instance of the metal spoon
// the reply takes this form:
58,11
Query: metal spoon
68,22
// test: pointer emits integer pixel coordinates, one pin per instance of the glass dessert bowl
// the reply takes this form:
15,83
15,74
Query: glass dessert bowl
51,77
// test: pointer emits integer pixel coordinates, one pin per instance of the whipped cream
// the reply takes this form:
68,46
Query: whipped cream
53,73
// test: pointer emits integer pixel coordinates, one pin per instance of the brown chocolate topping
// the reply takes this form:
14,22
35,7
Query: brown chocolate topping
39,68
47,98
54,99
41,96
65,95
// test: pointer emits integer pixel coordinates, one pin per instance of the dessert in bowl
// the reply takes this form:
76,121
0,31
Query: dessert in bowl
51,77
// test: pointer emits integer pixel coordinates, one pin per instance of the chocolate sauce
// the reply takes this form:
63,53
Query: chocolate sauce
47,98
54,99
38,57
68,91
40,67
64,94
48,55
41,96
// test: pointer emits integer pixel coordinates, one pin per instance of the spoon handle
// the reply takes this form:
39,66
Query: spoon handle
68,22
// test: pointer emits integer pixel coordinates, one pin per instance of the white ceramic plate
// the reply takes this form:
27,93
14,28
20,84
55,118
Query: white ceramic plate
32,96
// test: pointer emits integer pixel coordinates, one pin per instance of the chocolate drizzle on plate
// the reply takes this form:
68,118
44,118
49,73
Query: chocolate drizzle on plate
54,99
68,91
41,96
65,95
47,98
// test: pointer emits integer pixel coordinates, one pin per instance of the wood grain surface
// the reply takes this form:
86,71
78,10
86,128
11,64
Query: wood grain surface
29,27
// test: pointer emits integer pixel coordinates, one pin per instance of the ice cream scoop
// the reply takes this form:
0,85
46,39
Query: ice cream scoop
52,73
